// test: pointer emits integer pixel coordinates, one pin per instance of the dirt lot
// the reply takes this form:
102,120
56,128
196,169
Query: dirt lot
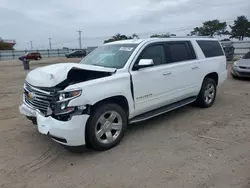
167,151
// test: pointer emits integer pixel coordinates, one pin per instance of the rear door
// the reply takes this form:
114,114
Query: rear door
184,66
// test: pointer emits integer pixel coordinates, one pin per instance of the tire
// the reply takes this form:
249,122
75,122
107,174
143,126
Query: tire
102,120
205,99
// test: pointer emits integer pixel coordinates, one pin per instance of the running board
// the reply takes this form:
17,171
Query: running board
162,110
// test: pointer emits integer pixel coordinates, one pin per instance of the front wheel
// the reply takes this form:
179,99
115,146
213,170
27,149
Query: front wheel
106,126
207,93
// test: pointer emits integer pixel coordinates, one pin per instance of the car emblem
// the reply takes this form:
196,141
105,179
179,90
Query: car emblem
32,96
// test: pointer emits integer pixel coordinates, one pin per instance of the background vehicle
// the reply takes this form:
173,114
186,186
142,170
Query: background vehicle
229,50
32,56
91,102
76,53
241,68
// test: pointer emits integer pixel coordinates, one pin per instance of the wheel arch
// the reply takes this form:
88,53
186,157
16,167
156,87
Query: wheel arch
117,99
213,75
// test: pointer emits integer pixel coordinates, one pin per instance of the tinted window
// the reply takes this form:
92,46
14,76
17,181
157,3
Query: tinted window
210,48
247,56
181,51
155,52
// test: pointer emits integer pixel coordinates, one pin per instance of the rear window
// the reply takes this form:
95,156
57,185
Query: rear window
210,48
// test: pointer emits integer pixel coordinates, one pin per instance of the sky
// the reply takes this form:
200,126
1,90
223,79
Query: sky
38,20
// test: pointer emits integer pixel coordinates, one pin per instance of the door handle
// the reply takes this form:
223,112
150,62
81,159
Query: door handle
167,73
194,67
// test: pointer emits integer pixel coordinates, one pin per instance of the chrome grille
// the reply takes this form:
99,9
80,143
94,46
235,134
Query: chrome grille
38,98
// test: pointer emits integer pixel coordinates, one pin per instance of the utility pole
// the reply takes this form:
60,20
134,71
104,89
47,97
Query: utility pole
50,43
80,39
31,45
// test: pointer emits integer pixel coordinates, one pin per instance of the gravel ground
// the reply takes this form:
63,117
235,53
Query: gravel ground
189,147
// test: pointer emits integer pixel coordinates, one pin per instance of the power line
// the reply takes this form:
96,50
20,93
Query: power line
176,29
80,39
183,28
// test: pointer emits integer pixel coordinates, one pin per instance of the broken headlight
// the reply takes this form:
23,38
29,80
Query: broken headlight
67,95
61,106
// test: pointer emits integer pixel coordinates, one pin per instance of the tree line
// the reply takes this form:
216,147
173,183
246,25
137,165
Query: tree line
239,30
5,46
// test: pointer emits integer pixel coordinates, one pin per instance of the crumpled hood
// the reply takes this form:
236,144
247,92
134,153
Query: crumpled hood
244,62
51,75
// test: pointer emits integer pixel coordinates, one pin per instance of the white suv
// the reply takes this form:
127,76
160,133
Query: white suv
91,102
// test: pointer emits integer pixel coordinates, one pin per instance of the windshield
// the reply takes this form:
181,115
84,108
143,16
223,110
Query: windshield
247,56
113,55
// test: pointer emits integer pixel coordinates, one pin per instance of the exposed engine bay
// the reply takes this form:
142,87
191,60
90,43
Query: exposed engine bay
77,75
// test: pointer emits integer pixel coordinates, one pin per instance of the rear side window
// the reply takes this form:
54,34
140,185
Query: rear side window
180,51
210,48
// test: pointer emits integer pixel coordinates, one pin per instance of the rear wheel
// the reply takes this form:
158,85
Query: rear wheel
106,126
207,93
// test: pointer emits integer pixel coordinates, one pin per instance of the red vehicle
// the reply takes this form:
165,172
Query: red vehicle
32,56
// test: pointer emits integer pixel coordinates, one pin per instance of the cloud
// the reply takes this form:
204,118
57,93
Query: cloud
60,19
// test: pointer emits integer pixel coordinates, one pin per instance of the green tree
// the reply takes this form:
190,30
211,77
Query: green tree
6,46
211,28
119,36
240,28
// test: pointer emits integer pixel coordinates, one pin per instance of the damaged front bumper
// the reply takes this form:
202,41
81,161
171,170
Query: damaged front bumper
70,132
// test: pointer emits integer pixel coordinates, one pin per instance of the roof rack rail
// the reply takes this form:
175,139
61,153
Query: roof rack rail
191,37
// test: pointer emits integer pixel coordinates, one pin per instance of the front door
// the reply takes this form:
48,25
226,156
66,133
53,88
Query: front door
149,83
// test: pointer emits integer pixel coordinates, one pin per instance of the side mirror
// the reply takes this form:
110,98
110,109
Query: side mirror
144,63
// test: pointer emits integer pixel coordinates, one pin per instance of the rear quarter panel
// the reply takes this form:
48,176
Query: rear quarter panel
210,65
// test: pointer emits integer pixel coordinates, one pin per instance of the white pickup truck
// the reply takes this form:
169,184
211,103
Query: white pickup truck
91,102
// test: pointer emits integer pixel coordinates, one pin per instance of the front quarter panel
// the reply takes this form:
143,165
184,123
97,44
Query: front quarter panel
97,90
